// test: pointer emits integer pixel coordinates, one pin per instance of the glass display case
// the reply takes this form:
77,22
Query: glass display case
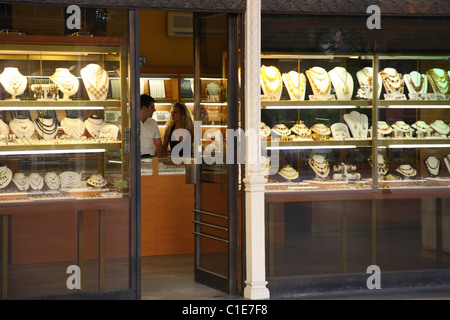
64,118
323,128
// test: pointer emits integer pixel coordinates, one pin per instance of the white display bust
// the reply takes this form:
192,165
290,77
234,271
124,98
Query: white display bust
439,80
67,83
364,75
416,82
320,81
295,84
392,81
13,82
271,82
96,82
342,83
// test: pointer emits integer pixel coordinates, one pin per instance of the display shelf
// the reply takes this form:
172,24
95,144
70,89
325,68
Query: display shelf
326,144
110,104
55,148
308,104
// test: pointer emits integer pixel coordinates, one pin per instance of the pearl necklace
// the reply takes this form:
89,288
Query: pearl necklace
295,83
36,181
21,181
22,128
52,180
314,74
271,78
432,164
73,127
5,176
96,81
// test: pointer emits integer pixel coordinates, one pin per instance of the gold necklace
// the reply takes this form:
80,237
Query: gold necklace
271,78
421,83
441,82
298,89
345,88
313,74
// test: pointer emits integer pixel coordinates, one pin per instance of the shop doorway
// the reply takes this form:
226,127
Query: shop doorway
189,232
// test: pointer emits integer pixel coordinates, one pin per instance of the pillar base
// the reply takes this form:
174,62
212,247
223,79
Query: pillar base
256,290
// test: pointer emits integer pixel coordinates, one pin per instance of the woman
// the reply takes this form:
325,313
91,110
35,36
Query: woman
180,119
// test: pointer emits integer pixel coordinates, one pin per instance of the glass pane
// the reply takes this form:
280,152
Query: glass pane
64,122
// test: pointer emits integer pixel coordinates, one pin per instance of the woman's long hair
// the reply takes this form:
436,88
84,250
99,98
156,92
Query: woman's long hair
187,117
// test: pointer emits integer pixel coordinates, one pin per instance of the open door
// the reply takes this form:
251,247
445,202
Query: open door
217,105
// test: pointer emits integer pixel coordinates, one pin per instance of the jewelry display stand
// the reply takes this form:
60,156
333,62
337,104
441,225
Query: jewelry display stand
402,130
319,80
67,83
213,92
46,127
432,163
447,162
5,176
301,129
423,130
271,82
94,125
345,172
295,84
96,82
407,171
13,82
288,173
358,124
441,128
383,130
439,80
416,82
22,127
365,78
320,166
342,82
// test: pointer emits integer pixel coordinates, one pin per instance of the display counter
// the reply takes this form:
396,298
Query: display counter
166,208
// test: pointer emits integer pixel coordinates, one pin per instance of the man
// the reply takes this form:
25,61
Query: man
151,144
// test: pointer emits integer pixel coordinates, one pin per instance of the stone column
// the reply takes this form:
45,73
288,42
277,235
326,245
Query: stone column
255,283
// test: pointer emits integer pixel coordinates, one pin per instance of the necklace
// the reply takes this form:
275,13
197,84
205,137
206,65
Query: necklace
393,81
432,163
94,125
5,176
295,83
401,125
70,179
97,181
320,166
23,128
406,170
358,124
441,127
73,127
281,130
288,173
315,74
96,81
265,130
271,78
300,129
417,88
439,82
344,81
46,127
384,127
421,126
21,181
52,180
320,128
36,181
13,81
66,82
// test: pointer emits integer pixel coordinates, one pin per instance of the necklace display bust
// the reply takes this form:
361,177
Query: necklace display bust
320,166
365,77
96,82
94,125
320,80
358,124
295,84
416,82
393,81
5,176
271,82
439,79
342,83
432,164
67,83
21,181
22,127
13,82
